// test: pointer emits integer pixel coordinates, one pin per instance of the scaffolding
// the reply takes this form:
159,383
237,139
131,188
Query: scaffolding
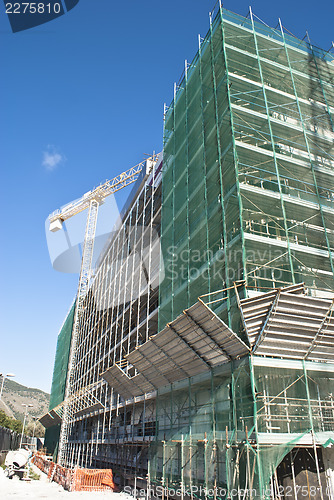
247,207
259,425
206,340
248,430
248,166
119,312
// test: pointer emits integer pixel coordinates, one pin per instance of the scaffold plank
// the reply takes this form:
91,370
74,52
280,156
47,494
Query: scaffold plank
47,420
290,325
126,386
194,342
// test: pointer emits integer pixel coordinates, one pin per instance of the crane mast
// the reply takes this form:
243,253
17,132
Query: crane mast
90,200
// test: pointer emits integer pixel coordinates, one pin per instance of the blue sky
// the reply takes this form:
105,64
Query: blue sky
82,100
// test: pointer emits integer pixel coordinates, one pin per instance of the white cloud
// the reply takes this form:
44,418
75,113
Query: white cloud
51,159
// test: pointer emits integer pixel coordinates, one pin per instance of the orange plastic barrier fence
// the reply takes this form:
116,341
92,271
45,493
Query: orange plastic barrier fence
40,462
51,468
77,479
62,476
92,480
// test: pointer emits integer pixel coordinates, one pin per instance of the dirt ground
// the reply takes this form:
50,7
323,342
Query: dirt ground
36,490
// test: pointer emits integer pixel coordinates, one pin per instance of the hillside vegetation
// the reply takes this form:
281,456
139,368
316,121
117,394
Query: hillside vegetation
15,395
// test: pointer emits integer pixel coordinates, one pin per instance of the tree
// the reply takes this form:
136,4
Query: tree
3,419
10,422
16,425
33,429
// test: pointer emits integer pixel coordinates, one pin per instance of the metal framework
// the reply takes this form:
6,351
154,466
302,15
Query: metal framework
90,200
239,430
258,162
193,343
86,265
118,311
213,354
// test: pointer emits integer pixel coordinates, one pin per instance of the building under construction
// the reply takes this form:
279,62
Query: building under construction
204,360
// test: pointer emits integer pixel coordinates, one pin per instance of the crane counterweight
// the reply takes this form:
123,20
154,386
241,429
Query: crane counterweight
56,225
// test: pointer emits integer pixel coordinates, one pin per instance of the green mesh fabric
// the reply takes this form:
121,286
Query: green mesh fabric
228,430
59,377
247,194
247,186
51,441
198,174
61,361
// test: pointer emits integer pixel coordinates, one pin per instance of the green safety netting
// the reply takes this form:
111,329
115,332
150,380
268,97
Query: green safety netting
59,376
247,189
247,194
227,431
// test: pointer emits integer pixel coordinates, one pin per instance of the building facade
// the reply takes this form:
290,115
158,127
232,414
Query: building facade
206,354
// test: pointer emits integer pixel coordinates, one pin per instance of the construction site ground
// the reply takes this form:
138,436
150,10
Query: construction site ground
42,488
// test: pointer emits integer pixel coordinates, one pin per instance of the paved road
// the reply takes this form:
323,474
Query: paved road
36,490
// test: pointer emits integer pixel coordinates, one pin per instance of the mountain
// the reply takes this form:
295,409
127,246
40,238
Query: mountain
15,395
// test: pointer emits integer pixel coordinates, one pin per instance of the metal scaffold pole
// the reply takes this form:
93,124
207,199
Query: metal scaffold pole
86,265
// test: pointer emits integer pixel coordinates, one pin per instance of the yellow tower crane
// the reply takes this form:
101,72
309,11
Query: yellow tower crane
90,201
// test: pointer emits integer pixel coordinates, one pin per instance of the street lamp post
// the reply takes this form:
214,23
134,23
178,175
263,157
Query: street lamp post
34,440
3,381
24,421
33,432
